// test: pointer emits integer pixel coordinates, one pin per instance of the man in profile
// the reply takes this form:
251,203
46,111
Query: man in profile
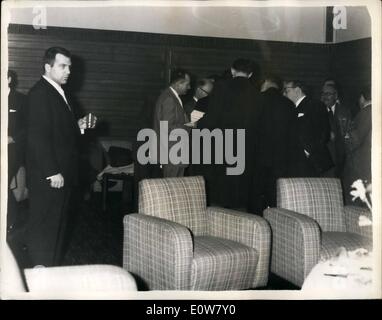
52,159
310,154
170,110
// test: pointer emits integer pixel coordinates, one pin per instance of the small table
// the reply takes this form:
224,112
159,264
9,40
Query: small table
127,188
348,273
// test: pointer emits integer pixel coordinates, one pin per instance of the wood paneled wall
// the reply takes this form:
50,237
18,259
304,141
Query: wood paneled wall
117,75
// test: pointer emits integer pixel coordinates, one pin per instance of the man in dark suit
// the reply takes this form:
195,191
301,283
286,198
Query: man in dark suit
16,153
358,161
170,111
52,159
310,154
199,99
274,139
339,121
233,104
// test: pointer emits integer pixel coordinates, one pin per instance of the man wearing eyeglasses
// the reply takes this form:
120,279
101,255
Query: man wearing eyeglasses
311,157
339,120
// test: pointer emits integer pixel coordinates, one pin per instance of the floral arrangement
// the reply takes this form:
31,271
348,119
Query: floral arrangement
364,194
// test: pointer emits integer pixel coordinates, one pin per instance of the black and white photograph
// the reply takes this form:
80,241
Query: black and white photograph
190,150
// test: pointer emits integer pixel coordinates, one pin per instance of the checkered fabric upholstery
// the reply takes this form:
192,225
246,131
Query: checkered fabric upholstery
221,264
229,251
182,200
295,244
248,229
332,241
352,214
318,198
310,224
157,250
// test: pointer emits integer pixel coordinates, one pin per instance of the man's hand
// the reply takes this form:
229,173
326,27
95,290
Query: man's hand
56,181
10,140
82,123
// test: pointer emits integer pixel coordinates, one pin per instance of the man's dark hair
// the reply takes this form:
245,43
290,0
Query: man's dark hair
50,54
334,83
366,92
275,79
298,84
178,74
243,65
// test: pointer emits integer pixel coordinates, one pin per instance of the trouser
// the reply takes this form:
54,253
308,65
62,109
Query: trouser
47,223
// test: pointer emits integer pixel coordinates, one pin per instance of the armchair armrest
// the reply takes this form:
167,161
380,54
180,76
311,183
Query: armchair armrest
79,279
352,214
248,229
158,251
295,244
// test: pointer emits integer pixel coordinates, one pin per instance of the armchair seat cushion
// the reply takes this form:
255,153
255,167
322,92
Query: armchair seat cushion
221,264
331,241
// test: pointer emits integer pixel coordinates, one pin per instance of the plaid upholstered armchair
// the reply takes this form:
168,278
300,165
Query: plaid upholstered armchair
175,242
311,223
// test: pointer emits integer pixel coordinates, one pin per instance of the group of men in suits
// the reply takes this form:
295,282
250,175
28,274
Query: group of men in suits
288,133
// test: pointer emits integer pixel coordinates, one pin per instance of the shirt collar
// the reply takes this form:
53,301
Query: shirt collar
57,87
176,95
367,104
299,101
332,108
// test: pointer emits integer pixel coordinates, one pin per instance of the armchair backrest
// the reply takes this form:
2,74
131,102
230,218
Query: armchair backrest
318,198
182,200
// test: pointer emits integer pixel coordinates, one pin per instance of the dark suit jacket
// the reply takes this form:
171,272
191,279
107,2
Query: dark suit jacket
52,143
313,134
274,131
169,109
233,104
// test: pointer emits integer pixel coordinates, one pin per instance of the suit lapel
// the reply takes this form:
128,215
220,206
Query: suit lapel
179,107
62,104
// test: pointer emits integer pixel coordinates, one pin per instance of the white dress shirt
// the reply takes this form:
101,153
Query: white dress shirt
332,108
62,93
299,101
58,88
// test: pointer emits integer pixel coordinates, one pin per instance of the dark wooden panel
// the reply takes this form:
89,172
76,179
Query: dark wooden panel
115,74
